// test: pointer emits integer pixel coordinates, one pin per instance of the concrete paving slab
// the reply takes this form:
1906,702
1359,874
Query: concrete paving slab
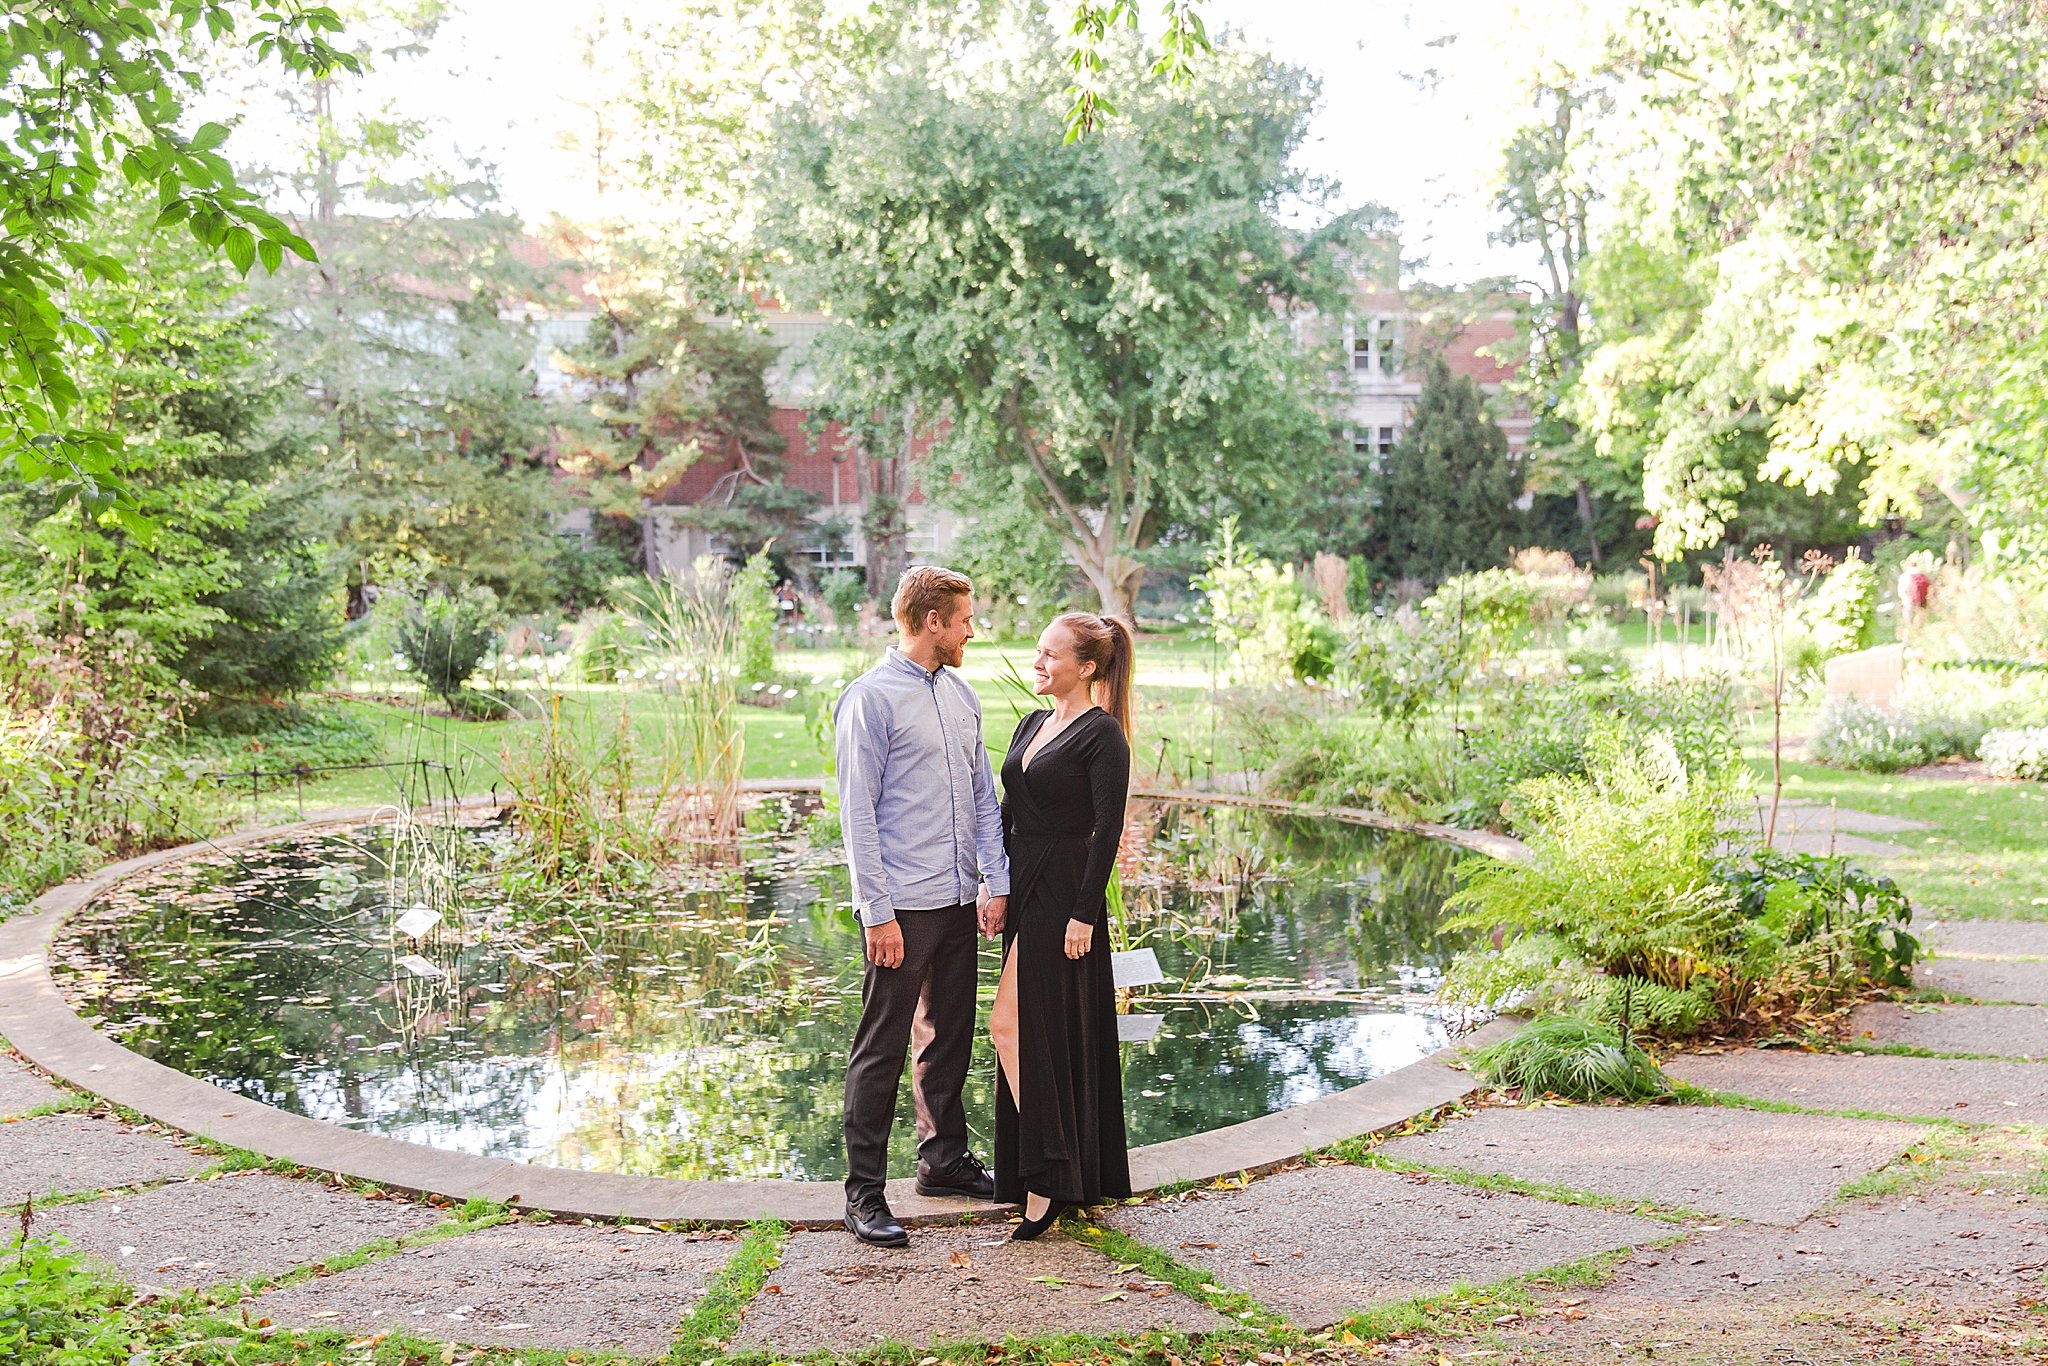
1971,1091
22,1090
1320,1243
1984,979
208,1232
1996,1031
1767,1168
1818,817
1823,842
1986,938
67,1154
518,1285
952,1285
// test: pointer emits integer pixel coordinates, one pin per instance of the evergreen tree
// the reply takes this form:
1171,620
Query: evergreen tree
1448,495
667,390
226,571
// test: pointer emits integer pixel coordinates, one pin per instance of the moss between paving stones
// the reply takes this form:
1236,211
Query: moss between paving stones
1971,1091
519,1285
201,1233
1983,979
1768,1167
71,1153
2016,1032
1319,1244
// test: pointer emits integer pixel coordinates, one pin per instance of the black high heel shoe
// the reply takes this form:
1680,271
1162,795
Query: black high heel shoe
1031,1228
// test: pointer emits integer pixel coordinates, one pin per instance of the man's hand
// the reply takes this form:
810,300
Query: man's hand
994,912
1080,936
884,943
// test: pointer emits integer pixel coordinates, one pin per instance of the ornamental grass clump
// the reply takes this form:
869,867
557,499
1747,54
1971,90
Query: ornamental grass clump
1578,1059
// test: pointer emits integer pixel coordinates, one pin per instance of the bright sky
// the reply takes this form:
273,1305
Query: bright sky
1386,132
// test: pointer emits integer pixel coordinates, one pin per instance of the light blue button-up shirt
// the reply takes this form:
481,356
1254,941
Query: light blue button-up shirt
917,797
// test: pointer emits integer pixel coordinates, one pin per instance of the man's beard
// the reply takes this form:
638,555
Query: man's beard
954,656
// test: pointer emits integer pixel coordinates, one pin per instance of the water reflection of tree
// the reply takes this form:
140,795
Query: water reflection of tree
700,1034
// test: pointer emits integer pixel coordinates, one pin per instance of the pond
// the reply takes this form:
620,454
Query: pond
701,1031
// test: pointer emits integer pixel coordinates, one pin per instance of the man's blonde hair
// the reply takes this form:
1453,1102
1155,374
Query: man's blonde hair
924,589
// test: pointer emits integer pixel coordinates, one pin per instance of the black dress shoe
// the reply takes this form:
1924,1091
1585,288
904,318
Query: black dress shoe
870,1221
966,1177
1031,1228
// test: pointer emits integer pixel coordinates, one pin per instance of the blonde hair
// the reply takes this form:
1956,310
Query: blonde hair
924,589
1106,643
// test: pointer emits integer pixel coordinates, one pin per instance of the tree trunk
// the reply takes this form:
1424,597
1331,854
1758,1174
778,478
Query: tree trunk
1116,579
883,520
1586,517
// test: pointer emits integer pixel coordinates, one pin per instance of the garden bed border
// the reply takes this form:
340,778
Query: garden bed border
40,1025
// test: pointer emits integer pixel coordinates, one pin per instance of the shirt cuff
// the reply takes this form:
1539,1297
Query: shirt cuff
998,884
875,912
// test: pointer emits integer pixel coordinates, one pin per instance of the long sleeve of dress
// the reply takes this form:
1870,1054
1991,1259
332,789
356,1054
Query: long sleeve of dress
1109,785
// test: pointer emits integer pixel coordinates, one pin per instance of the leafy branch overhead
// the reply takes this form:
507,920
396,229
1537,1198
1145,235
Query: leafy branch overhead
1183,37
93,87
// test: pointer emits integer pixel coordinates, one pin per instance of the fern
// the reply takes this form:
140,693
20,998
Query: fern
1621,874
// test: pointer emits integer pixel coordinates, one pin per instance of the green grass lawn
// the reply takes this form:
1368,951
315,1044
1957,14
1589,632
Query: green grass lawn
1984,855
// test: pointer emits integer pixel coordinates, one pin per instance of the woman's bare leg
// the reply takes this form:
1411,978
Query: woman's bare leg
1002,1030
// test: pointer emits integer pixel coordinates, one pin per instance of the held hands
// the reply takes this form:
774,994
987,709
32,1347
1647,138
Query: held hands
884,944
1080,934
993,913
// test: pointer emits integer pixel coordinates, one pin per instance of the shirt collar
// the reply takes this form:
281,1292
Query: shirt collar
902,661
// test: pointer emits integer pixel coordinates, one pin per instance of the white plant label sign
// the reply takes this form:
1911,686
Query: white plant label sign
419,967
418,921
1135,968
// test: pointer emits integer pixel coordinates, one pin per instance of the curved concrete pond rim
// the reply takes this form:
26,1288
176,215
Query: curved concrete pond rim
40,1025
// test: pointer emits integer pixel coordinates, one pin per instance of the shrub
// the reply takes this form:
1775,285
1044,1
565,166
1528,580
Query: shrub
2016,753
1839,614
1565,1056
844,590
1533,731
1265,616
1818,926
1488,607
1380,768
1620,877
284,736
750,597
606,641
1593,647
445,639
1397,666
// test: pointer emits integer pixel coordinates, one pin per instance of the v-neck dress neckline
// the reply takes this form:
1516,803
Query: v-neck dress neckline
1027,758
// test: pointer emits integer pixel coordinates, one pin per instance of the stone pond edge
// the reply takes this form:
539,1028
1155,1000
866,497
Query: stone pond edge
40,1025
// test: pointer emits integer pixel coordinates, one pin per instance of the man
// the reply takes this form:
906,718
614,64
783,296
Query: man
917,802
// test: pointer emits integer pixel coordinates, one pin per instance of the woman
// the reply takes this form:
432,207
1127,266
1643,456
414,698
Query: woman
1059,1090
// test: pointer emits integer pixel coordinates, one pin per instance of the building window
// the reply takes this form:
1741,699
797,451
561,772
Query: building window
1372,348
1361,443
1386,440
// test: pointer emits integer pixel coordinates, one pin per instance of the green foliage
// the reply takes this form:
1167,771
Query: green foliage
1852,734
1401,664
91,88
231,586
444,640
1265,616
1380,768
1533,731
86,722
844,590
2016,753
1563,1055
54,1310
1860,329
606,641
1127,371
750,596
1852,924
1447,497
1934,717
1488,607
271,736
1840,612
1620,869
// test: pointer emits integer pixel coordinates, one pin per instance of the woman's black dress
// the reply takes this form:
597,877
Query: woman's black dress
1063,819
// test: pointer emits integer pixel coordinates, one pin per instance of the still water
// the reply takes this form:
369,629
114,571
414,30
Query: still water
702,1032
